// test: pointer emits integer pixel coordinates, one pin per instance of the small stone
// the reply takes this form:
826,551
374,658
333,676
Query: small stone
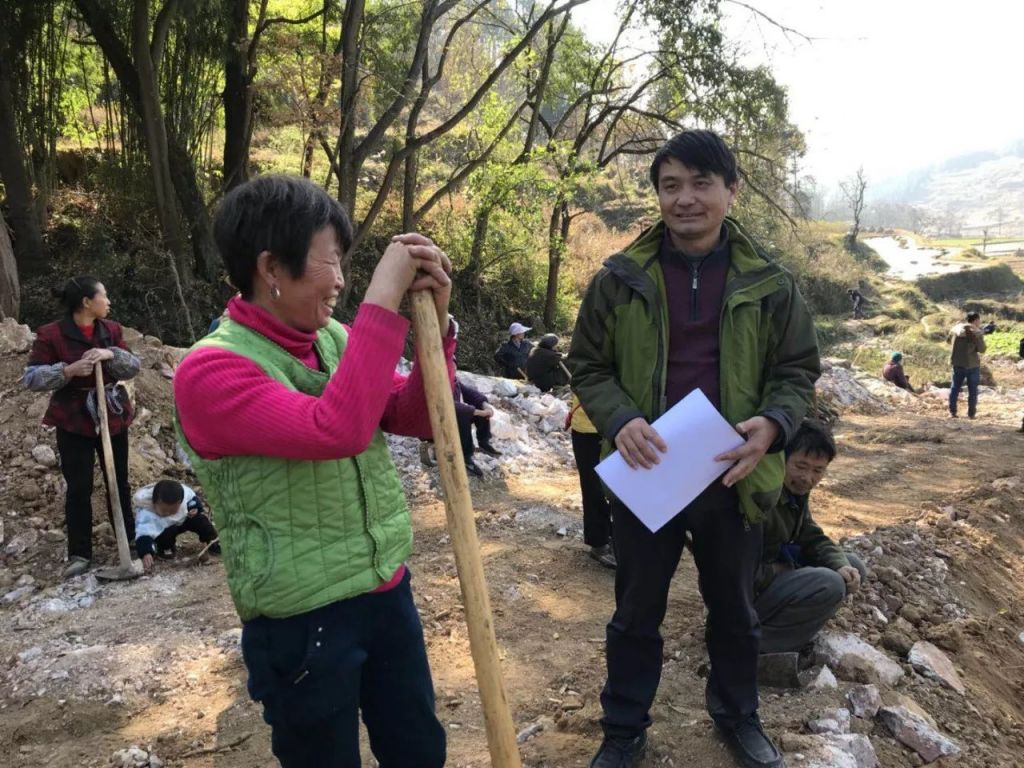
22,542
913,731
864,700
54,535
16,595
897,642
29,491
831,721
877,616
31,653
853,659
912,614
819,678
932,662
43,454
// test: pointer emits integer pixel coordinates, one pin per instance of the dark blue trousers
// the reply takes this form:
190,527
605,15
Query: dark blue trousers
973,377
316,672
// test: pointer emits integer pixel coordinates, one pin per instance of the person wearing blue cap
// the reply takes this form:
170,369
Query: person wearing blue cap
893,372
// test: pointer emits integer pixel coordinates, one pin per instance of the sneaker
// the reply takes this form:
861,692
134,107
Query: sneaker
473,469
953,415
425,458
167,554
489,449
750,747
76,567
604,555
620,753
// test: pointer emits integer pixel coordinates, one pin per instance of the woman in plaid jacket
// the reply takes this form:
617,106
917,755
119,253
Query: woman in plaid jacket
62,361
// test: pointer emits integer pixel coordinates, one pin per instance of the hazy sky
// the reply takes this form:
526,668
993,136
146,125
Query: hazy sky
890,84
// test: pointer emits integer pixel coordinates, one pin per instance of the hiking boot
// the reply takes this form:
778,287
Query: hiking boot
604,555
425,458
473,469
76,567
749,745
620,753
489,449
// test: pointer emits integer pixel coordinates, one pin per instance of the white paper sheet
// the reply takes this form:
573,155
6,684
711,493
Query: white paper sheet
695,432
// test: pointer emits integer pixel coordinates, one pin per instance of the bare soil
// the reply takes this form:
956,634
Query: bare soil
155,662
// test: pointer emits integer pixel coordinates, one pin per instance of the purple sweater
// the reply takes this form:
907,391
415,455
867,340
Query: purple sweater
695,288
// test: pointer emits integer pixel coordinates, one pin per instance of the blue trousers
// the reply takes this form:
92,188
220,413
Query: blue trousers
316,672
972,376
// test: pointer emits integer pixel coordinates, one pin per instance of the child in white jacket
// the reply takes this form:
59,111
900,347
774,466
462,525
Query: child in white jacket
163,511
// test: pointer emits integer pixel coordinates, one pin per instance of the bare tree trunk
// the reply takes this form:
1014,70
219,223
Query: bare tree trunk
558,231
10,290
156,137
237,95
348,165
28,239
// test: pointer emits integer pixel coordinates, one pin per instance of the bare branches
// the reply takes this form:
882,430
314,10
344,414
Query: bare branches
786,30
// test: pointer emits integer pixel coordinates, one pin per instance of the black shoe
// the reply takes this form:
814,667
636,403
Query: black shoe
605,555
620,753
167,554
750,747
489,449
473,469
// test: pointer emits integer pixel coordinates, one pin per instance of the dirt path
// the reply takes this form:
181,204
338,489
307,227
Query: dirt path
155,662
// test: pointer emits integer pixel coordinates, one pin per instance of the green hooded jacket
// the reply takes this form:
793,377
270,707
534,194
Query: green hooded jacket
769,350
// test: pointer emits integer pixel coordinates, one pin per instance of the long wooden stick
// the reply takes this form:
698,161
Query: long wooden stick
501,735
123,553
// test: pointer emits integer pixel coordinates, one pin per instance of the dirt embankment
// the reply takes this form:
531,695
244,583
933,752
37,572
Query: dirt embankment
934,507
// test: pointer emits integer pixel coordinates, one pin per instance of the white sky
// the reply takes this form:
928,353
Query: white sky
890,84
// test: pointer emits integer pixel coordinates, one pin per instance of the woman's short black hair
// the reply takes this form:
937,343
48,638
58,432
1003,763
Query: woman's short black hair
972,316
702,150
75,291
279,214
168,492
814,438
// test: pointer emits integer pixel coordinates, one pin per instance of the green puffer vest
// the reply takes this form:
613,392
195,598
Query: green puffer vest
297,535
769,349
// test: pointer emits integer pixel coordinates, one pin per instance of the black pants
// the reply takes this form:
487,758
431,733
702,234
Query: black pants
725,555
316,672
483,432
77,458
597,513
198,524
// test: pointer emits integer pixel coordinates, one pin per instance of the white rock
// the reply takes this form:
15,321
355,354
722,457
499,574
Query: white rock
831,721
819,679
14,337
30,653
931,662
864,700
914,732
43,454
853,659
16,595
22,542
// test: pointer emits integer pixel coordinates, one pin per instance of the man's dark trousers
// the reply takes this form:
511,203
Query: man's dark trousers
726,554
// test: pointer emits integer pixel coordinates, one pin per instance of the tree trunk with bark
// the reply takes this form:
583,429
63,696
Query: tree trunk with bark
10,290
237,95
558,233
28,238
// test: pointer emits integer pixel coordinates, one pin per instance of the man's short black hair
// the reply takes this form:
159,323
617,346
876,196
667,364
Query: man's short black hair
168,492
814,438
972,316
279,214
702,150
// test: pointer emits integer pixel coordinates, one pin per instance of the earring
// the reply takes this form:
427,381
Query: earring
275,292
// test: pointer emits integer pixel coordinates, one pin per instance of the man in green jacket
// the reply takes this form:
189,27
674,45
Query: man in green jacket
692,303
965,358
804,575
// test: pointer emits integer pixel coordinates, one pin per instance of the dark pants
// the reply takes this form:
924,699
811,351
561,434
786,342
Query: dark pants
799,602
315,673
725,555
77,458
198,524
973,377
597,512
466,425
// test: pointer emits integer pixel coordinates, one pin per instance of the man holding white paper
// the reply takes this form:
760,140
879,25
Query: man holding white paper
692,304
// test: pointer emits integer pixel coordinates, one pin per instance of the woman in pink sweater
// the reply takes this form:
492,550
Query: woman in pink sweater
328,634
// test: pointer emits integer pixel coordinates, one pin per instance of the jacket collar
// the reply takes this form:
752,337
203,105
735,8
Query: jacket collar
101,336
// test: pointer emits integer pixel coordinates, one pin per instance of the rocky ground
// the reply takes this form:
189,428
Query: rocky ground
925,665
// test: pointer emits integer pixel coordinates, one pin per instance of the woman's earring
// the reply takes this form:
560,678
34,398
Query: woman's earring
275,292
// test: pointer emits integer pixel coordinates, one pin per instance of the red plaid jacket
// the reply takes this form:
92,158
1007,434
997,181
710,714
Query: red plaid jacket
62,342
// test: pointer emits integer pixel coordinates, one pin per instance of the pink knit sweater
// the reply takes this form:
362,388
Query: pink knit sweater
228,406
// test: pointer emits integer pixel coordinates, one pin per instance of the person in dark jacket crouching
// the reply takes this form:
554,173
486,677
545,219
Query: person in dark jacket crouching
62,361
545,368
804,576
